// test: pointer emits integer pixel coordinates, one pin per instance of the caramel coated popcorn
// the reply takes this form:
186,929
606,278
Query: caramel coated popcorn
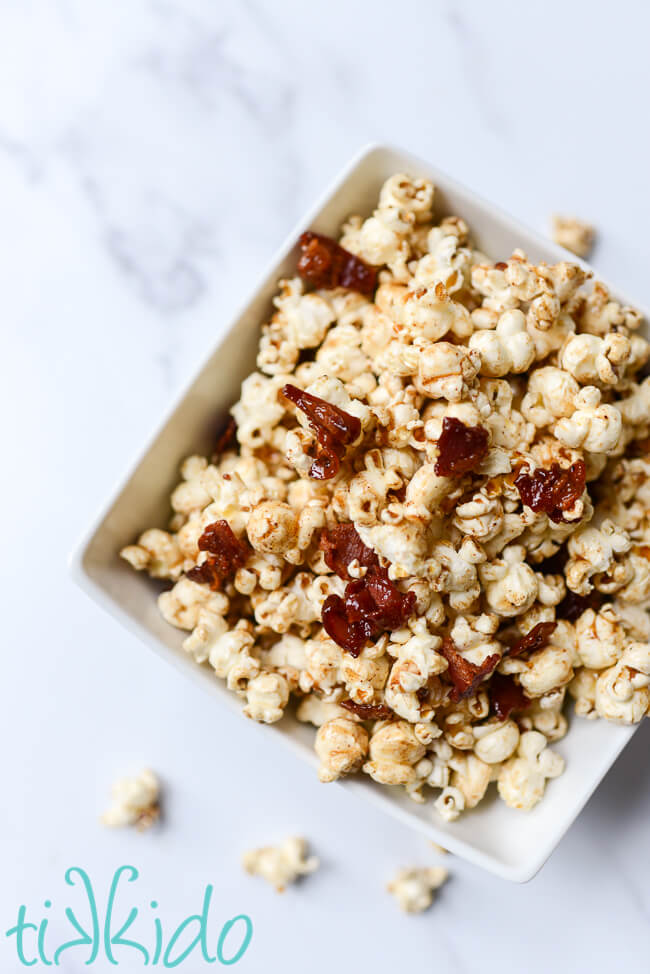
428,524
574,234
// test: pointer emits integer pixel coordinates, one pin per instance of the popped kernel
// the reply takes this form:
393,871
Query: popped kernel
281,865
573,234
414,888
134,801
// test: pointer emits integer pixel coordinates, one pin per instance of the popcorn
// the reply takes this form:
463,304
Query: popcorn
157,552
592,359
314,710
583,690
476,435
301,322
509,348
135,801
592,426
544,670
281,865
341,745
450,803
191,495
231,658
599,314
259,410
551,395
394,750
574,234
622,692
267,695
415,196
272,527
511,585
471,777
481,517
445,371
545,715
414,888
454,572
496,740
184,604
522,779
592,551
600,638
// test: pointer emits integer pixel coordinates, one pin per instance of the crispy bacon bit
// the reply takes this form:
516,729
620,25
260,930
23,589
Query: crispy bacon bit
464,675
370,606
226,438
368,711
341,545
325,264
506,696
572,605
552,491
537,638
334,428
226,553
461,448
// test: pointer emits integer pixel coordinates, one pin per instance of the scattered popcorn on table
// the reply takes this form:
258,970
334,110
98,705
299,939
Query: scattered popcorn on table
427,521
414,888
281,865
576,236
135,801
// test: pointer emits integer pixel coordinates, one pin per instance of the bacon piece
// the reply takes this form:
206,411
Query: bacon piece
552,491
368,711
537,638
226,553
206,574
464,675
334,428
341,545
325,264
370,606
460,448
226,438
506,696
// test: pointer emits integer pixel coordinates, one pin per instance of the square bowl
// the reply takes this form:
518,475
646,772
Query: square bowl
512,844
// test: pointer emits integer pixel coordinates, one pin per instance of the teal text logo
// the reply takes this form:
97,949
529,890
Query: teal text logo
104,934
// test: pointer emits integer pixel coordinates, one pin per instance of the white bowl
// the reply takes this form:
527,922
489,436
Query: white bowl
511,844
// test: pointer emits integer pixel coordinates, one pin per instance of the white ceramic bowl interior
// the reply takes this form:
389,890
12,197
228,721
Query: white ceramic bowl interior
511,844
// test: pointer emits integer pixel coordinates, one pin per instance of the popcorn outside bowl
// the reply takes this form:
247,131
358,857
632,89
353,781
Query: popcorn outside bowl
511,844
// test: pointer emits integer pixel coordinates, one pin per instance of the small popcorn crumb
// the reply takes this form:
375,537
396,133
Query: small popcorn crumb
414,888
135,801
576,236
281,865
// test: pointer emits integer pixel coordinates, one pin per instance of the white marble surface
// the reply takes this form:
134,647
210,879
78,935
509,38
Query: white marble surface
152,155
